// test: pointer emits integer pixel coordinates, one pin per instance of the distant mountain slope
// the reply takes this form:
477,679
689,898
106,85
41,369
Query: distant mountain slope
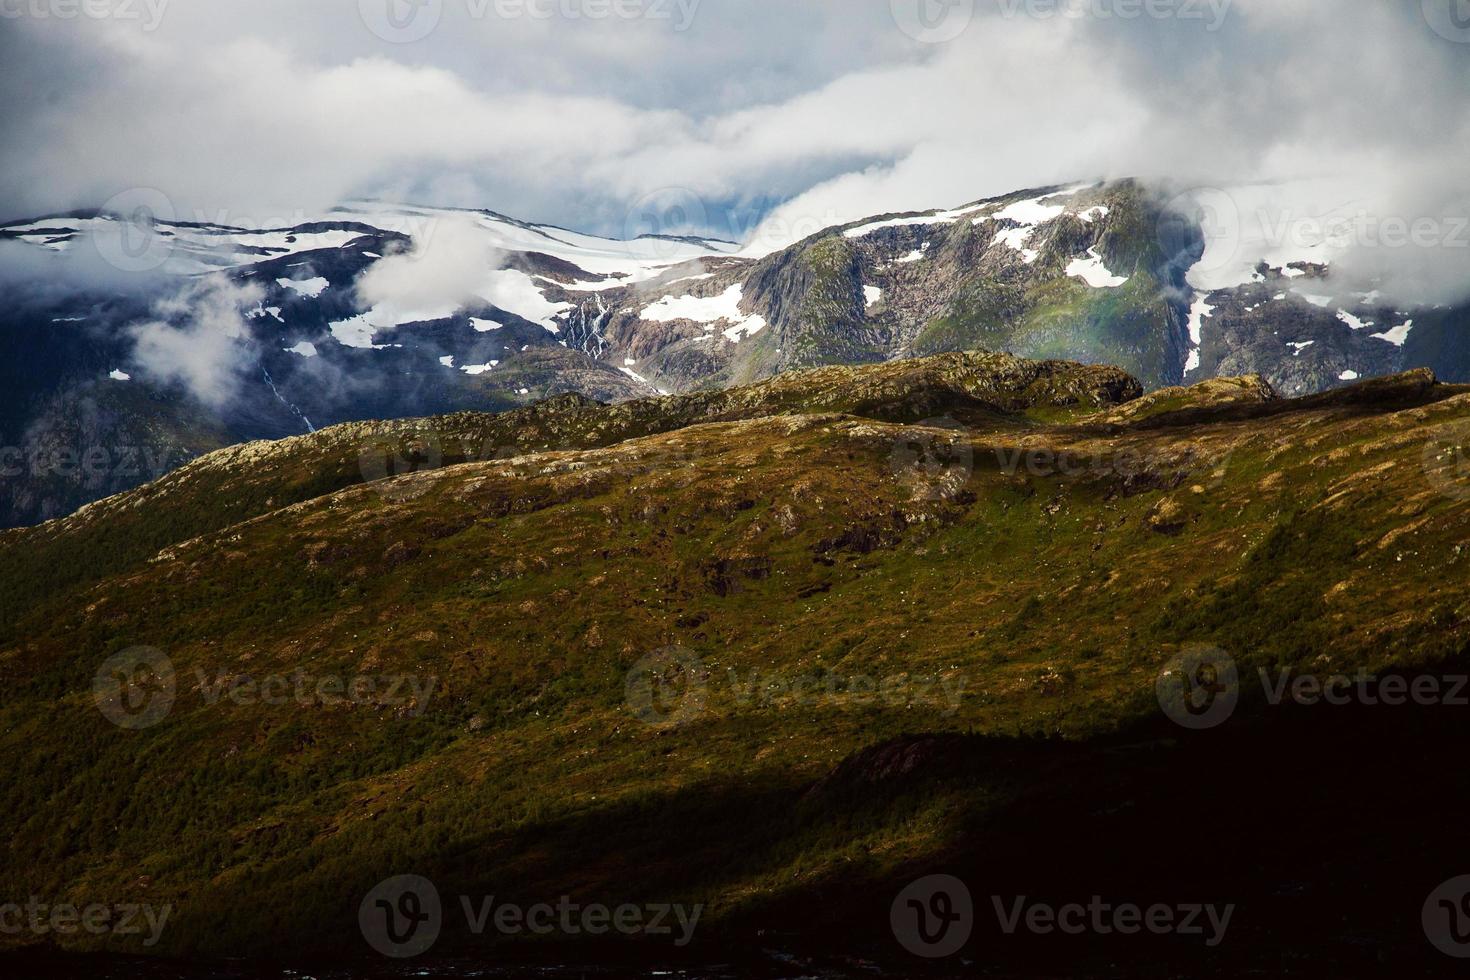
1100,273
1036,560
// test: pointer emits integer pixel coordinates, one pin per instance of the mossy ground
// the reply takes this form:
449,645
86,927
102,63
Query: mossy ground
1054,586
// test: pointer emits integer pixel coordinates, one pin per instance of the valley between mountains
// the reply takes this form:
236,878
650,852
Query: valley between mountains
897,614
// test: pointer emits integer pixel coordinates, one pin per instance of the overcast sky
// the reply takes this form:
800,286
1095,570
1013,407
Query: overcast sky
799,112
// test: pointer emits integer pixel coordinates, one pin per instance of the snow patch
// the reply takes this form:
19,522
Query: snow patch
1396,335
310,288
1016,238
871,295
1031,212
708,310
1027,214
1092,270
641,379
1348,376
933,218
514,291
1197,314
356,331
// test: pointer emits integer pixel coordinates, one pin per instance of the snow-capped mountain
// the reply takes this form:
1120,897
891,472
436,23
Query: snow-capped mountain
196,334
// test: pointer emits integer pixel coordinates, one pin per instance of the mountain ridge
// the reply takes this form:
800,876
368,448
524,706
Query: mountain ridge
1096,272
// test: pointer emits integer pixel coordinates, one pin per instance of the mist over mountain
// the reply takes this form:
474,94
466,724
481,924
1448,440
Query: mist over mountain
372,309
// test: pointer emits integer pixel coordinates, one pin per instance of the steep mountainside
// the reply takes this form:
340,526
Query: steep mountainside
912,617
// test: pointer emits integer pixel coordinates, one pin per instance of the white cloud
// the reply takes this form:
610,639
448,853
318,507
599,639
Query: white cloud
270,108
199,339
447,267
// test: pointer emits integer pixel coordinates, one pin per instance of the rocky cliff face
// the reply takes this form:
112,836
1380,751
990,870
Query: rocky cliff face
1099,273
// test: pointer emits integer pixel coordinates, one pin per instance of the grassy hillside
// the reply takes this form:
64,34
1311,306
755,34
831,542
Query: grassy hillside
896,644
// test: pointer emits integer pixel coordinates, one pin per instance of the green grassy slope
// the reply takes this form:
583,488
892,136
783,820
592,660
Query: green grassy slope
1024,605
